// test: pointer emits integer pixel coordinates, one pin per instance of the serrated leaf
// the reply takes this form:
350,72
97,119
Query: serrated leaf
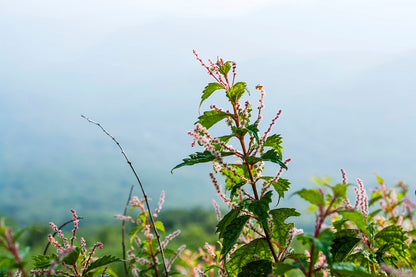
280,228
210,118
238,131
273,156
42,261
261,207
200,157
72,257
225,221
357,218
104,260
260,268
236,91
209,89
225,68
275,142
393,239
281,185
313,196
226,138
254,130
232,232
248,253
342,246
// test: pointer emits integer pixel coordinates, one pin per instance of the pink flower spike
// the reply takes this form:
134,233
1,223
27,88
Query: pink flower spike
159,207
170,237
344,176
75,220
217,209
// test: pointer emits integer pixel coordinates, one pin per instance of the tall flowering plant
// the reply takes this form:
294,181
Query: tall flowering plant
247,191
255,239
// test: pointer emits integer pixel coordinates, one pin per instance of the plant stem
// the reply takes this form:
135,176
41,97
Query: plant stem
123,232
141,186
253,183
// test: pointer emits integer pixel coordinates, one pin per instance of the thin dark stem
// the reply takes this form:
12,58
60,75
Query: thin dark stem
123,232
141,187
60,227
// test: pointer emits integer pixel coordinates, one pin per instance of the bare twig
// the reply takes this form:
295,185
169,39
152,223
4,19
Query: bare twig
123,232
59,228
141,186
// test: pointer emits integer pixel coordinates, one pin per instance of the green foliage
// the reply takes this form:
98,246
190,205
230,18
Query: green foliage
253,239
280,228
232,232
248,253
210,89
210,118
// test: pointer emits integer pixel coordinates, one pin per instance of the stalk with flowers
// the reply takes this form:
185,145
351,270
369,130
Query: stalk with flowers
255,240
71,259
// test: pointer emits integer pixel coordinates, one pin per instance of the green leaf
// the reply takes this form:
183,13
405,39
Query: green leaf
280,228
210,118
281,268
104,260
313,196
225,68
323,243
235,92
342,246
159,225
393,239
246,254
42,261
357,218
133,233
261,208
72,257
238,131
380,180
281,185
200,157
7,262
254,130
209,89
350,269
232,232
225,221
340,191
226,138
275,142
260,268
273,156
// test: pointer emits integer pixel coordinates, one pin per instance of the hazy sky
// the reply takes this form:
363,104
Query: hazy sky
342,71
